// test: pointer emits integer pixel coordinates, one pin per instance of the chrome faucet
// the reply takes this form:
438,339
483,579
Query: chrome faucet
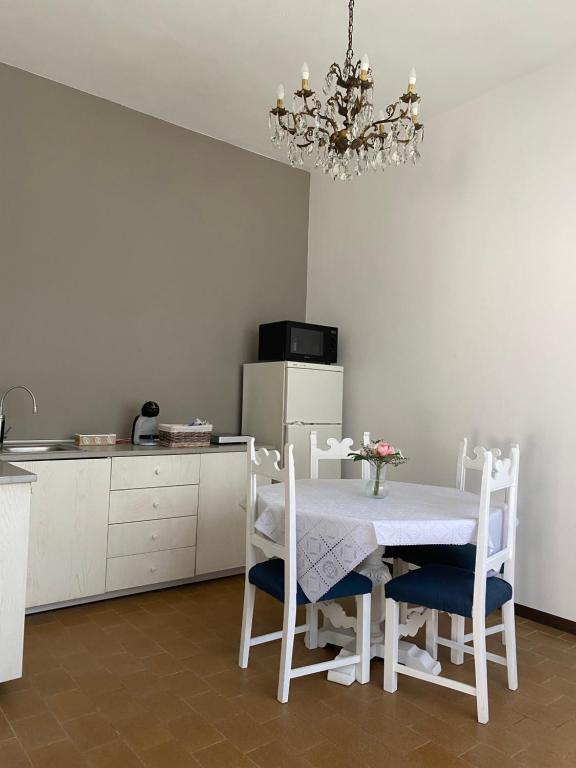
3,417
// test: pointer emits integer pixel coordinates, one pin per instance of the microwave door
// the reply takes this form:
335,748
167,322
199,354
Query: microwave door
306,342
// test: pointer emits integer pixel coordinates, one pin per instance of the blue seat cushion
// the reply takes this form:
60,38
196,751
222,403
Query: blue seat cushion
446,588
457,555
269,577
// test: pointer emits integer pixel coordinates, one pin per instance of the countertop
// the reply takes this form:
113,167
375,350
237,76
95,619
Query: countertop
107,451
10,474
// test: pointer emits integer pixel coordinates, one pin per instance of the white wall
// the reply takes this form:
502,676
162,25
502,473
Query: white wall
454,287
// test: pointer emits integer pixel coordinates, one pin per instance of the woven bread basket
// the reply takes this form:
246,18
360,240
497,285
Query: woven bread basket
184,435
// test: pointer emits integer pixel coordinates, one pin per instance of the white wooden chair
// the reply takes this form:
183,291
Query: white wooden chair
277,577
337,450
461,556
465,593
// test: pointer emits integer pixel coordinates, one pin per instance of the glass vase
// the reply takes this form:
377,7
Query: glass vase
377,486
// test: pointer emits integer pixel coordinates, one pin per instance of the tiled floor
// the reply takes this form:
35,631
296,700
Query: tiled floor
152,680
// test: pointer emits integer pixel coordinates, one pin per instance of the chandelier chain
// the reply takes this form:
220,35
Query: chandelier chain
350,51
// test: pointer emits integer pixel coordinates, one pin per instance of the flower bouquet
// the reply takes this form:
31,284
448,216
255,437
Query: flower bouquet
379,454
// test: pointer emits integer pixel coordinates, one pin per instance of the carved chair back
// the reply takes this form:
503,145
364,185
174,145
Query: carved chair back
266,464
337,450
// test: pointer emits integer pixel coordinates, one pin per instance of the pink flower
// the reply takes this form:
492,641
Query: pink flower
384,449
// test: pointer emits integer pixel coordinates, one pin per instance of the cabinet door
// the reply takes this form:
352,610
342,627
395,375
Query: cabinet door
68,530
221,533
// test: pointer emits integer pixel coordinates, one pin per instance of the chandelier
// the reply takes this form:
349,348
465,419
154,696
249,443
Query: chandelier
347,139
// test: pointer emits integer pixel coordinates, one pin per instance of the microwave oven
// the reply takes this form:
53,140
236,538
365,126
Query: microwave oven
299,342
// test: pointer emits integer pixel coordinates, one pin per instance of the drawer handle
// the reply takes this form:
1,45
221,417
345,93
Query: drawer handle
157,471
153,569
155,504
154,536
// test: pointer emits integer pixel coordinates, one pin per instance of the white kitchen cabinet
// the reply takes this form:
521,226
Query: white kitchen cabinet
14,533
68,530
221,532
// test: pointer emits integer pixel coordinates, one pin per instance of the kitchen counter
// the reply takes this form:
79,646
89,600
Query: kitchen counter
10,474
103,452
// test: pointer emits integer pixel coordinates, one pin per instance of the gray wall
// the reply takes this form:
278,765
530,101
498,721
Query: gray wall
137,259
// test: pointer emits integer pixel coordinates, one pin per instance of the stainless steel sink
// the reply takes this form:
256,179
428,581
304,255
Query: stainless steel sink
38,447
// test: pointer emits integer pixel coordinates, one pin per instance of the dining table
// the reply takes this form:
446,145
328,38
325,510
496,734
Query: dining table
340,527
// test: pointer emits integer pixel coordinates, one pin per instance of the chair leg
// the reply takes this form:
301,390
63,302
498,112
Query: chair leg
391,645
311,638
432,634
458,631
399,568
288,628
363,637
510,635
247,615
480,667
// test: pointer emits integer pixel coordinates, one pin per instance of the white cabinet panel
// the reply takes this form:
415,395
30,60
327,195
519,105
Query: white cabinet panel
313,395
299,436
153,503
154,471
68,529
14,532
152,568
151,536
221,536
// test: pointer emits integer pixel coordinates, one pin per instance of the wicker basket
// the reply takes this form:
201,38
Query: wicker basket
184,436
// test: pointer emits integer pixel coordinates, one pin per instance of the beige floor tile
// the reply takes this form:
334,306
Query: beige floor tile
63,754
223,755
38,731
169,755
115,754
143,732
19,704
194,732
53,681
12,755
244,732
434,756
70,704
90,731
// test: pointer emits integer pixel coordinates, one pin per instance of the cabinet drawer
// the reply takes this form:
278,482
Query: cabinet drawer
154,471
151,568
153,503
151,536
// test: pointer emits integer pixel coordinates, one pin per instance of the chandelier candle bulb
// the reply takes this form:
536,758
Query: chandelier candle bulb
280,96
364,67
381,127
412,81
305,76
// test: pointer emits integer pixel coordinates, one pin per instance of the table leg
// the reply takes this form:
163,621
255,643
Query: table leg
339,629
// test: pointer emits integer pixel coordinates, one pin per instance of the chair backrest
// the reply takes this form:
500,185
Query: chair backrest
337,450
266,464
460,466
498,474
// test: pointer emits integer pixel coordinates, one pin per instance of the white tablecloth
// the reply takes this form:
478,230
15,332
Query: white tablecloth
338,525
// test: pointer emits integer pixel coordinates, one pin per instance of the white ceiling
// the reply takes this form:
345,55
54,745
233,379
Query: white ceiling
213,66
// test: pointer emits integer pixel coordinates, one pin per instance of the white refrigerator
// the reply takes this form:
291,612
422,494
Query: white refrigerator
283,401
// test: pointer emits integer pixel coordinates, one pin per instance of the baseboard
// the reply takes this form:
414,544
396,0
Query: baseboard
564,625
